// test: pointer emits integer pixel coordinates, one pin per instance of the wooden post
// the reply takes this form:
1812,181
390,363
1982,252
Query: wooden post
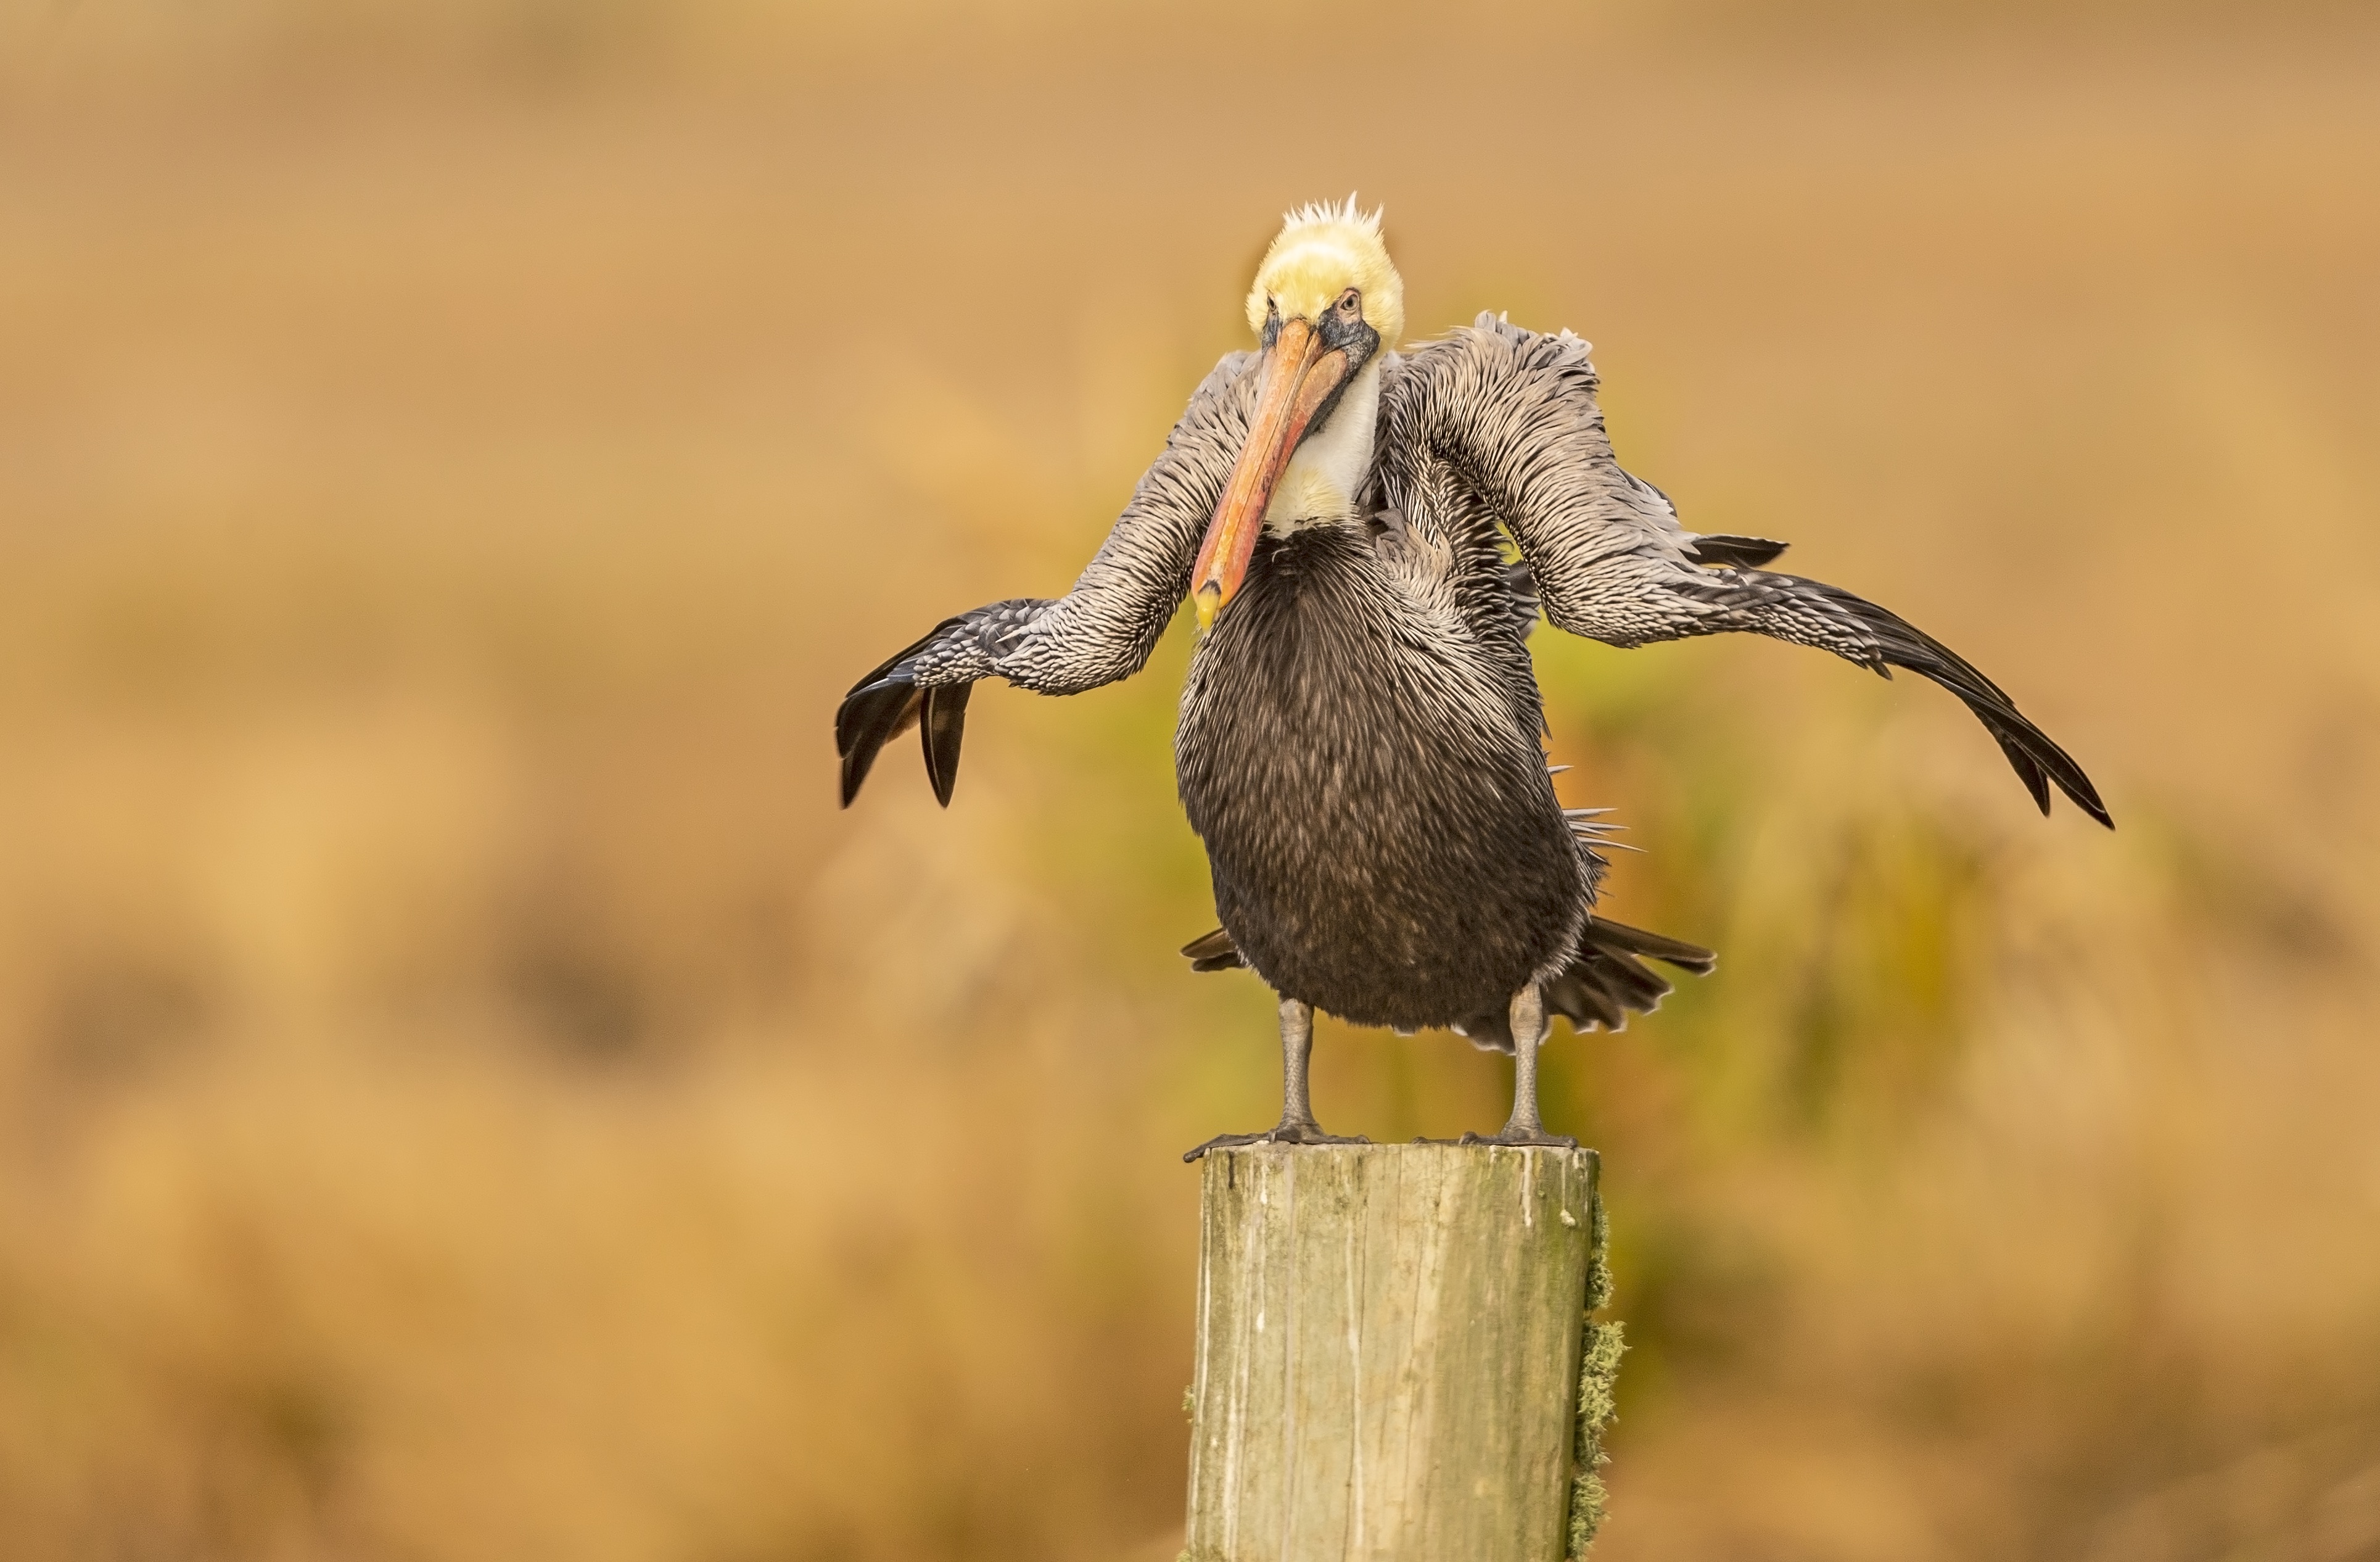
1392,1340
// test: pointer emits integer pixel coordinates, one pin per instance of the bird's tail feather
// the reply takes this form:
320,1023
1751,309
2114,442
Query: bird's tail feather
1606,983
1690,958
1215,951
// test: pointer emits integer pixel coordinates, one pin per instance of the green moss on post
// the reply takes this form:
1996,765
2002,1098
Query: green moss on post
1599,1378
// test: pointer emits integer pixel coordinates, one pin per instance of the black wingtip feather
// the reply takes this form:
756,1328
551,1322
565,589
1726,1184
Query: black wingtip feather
880,707
1737,552
2036,759
871,716
940,731
884,669
2028,769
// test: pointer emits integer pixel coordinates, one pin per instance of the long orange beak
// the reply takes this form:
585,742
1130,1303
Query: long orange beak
1297,378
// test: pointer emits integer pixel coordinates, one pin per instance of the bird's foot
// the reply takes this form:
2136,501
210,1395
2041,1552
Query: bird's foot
1516,1136
1308,1132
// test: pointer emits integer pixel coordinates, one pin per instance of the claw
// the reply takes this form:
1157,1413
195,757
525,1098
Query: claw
1523,1138
1286,1133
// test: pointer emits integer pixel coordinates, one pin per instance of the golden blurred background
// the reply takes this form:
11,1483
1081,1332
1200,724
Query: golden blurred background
468,1094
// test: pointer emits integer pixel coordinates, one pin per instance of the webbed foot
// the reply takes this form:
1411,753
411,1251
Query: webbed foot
1307,1132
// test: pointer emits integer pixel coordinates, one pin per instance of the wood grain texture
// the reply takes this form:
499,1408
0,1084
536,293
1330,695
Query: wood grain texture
1388,1352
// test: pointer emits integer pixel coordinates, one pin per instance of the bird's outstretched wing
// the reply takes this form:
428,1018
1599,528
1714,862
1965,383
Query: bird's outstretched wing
1101,630
1516,413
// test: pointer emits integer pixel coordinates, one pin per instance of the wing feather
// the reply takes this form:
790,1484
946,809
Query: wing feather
1101,630
1516,413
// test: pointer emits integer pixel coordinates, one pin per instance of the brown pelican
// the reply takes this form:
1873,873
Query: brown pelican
1359,746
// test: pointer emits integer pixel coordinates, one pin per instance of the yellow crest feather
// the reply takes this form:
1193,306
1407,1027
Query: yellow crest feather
1322,251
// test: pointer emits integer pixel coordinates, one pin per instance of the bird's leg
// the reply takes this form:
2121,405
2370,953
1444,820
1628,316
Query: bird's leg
1296,1054
1529,1028
1297,1125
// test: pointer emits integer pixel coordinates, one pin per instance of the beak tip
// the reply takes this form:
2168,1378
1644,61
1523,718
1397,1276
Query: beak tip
1209,601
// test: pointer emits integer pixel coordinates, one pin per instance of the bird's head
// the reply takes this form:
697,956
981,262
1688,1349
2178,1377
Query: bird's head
1326,304
1323,253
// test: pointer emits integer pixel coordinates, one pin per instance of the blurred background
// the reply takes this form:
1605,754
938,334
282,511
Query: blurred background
467,1093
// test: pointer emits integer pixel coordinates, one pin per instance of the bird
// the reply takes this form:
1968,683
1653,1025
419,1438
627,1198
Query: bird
1367,537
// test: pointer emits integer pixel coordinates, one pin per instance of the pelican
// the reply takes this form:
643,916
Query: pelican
1360,743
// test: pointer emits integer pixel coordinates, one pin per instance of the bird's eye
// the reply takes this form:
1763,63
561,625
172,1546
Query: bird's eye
1351,300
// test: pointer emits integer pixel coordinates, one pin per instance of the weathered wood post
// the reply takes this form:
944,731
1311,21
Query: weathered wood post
1394,1358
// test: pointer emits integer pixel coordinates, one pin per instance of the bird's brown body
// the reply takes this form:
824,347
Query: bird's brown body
1360,738
1385,839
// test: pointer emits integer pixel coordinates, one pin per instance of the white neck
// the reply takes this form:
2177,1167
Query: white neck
1326,475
